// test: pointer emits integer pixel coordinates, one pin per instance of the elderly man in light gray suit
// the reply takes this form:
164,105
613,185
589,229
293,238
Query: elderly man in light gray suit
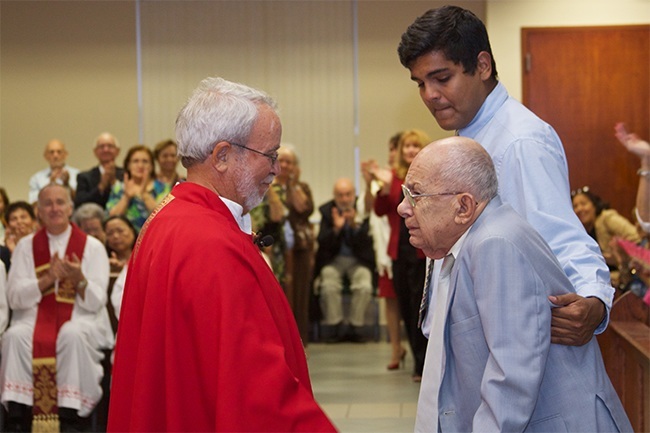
490,364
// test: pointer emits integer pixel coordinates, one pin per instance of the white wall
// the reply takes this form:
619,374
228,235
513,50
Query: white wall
68,70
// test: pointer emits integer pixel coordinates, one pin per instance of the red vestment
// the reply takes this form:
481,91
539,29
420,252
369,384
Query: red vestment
206,338
54,309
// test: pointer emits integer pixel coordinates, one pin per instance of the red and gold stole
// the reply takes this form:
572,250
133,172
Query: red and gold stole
53,311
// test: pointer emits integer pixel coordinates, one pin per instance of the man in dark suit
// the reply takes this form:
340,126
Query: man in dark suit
95,184
344,250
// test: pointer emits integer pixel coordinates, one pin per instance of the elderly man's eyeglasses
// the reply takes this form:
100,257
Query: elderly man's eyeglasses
273,157
411,197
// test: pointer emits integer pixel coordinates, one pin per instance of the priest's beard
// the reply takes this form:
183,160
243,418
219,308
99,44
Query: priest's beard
248,189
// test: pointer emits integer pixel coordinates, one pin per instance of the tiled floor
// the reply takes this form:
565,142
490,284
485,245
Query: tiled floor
351,383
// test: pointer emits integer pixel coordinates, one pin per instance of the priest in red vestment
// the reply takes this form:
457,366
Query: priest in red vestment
206,338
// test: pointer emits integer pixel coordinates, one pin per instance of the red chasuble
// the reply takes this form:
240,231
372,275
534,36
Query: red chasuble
206,339
54,310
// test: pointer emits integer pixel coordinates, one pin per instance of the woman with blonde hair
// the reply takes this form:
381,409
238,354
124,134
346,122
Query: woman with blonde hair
409,263
380,229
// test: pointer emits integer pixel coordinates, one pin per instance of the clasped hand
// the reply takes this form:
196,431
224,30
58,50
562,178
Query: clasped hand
133,188
341,216
66,269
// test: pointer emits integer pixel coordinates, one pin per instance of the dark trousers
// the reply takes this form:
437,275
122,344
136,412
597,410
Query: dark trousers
408,280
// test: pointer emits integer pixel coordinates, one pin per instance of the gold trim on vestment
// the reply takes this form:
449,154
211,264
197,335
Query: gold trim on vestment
66,292
46,423
45,390
168,198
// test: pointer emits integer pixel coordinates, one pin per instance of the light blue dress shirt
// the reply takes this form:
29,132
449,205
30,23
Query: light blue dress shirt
534,179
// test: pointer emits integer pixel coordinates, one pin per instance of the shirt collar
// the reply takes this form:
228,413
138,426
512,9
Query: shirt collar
455,249
243,221
59,242
494,100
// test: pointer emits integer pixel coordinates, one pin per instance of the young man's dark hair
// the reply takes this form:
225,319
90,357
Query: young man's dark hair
457,32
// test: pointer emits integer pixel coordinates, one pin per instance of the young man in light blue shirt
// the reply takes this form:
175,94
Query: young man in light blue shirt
447,51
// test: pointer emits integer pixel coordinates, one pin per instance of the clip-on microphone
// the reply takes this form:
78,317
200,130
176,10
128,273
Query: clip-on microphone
263,241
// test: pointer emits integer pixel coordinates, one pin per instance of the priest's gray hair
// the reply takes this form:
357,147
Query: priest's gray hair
218,110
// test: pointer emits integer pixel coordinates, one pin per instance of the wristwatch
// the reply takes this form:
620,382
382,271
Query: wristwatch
82,284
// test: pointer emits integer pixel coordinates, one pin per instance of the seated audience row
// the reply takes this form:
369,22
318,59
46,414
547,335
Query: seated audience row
95,184
133,196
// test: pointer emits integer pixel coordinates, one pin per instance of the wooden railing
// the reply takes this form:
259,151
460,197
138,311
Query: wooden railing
626,351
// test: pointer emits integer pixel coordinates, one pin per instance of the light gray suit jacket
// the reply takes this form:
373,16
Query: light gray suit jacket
502,373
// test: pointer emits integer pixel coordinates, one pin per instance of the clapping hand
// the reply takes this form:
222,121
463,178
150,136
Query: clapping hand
632,141
65,268
61,174
132,188
116,263
108,177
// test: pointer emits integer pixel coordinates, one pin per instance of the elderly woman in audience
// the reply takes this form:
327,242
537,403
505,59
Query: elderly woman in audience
120,239
90,218
269,218
299,204
21,221
166,155
137,196
603,224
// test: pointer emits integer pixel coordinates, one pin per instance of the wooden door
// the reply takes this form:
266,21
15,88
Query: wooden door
582,81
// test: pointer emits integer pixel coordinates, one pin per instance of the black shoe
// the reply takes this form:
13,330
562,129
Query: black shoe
354,336
334,334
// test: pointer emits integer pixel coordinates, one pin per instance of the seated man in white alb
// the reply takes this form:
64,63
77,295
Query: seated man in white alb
57,290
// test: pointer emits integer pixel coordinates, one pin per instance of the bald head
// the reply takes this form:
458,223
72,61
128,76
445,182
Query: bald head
106,138
451,181
344,193
458,164
106,148
55,153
